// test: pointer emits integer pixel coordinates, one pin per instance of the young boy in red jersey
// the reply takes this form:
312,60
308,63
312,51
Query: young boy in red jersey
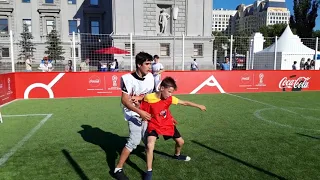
162,122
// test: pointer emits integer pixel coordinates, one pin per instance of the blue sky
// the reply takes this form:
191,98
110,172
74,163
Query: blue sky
232,4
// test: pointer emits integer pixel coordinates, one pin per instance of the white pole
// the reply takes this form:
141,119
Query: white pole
131,55
74,51
231,42
183,52
11,50
275,53
317,65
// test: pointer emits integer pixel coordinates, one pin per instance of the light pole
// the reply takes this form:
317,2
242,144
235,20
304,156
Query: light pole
175,17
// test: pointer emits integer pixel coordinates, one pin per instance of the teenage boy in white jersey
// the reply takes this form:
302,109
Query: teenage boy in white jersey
157,69
134,86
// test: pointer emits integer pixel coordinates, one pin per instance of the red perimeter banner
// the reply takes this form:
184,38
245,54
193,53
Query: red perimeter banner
80,84
7,88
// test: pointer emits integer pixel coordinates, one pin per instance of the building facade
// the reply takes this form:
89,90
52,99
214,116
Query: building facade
223,21
104,23
249,18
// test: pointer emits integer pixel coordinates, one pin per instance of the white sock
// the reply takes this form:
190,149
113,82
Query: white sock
149,169
116,169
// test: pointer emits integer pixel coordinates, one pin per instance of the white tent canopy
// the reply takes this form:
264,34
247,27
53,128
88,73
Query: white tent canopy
289,48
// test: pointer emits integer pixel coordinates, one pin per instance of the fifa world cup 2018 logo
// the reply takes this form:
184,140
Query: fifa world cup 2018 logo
261,76
114,80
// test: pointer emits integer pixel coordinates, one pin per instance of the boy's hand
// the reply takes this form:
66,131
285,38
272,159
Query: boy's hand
144,115
202,107
175,122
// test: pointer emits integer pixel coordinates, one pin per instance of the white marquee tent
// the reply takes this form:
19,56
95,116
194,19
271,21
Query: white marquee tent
289,48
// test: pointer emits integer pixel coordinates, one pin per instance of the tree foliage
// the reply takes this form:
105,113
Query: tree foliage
54,48
304,18
26,45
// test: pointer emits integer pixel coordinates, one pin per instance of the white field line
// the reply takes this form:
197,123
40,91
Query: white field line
5,104
14,149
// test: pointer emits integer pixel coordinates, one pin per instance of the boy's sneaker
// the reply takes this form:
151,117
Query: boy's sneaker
119,175
182,157
148,175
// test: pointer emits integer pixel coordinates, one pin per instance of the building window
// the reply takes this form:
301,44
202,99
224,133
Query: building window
4,26
28,23
198,50
5,52
50,26
73,26
94,2
127,48
95,28
26,1
165,49
49,1
71,52
72,1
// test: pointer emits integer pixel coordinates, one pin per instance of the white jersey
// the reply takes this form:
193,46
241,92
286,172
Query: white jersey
134,85
156,67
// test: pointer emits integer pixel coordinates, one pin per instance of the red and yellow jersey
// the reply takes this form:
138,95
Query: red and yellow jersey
161,118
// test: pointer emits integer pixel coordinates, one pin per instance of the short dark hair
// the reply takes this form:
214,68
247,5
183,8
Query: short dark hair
142,57
155,57
168,82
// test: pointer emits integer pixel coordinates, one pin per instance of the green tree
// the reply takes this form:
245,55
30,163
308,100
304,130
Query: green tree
316,33
26,45
304,17
221,43
54,48
241,42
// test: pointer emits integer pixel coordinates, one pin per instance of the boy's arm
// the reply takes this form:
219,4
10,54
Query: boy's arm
188,103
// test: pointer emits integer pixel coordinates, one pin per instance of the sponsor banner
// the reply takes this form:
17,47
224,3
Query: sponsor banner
59,85
62,85
7,88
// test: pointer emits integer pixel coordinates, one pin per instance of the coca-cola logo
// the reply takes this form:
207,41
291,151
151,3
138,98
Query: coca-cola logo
94,81
300,83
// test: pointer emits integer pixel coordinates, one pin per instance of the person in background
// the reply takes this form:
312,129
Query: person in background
84,66
226,65
302,64
157,68
312,65
45,66
28,64
307,64
117,65
68,67
194,65
294,66
113,66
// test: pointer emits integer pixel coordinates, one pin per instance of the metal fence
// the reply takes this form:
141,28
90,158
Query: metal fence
176,53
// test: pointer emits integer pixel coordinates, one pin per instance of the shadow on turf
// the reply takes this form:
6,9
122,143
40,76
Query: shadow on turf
112,144
308,136
238,160
75,165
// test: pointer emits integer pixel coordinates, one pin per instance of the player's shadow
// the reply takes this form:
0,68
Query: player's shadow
312,137
112,144
238,160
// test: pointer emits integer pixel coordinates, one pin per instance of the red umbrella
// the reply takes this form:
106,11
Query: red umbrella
111,50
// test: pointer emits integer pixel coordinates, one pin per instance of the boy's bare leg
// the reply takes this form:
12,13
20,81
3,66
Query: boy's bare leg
150,149
179,143
123,157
